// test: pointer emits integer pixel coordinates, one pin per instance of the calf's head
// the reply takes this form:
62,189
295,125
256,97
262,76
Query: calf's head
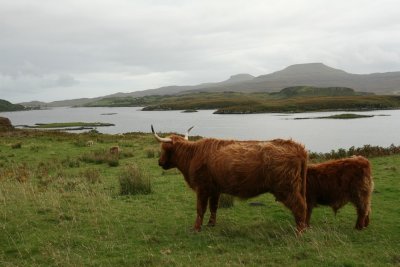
167,158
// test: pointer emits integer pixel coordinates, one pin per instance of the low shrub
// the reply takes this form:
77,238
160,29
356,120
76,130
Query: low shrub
16,145
71,163
80,143
113,161
133,180
127,154
150,152
35,148
366,151
226,201
91,175
101,156
21,173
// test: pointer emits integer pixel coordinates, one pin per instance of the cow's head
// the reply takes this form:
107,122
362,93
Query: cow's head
167,159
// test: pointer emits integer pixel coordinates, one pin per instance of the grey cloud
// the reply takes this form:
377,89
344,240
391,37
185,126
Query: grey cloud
66,81
123,45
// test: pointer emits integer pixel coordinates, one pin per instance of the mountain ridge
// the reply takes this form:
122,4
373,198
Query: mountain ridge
305,74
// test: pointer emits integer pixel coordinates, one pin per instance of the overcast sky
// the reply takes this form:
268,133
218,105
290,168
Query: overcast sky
56,50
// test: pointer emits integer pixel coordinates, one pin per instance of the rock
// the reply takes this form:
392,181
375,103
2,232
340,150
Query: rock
5,124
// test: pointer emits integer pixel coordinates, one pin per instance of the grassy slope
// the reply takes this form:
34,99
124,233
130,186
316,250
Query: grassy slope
71,222
226,103
291,99
326,103
7,106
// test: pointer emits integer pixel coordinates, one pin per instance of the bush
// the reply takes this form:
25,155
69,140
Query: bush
101,156
80,143
71,163
226,201
91,175
367,151
127,154
133,180
113,161
150,152
21,173
16,145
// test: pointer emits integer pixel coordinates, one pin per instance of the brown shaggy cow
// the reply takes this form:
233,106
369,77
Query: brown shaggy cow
335,183
240,168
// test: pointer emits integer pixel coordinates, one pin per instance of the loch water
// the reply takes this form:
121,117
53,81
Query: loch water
318,135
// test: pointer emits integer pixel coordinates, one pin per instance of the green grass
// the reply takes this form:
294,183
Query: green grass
59,210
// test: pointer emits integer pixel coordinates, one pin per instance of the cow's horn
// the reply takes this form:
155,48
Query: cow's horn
160,139
187,133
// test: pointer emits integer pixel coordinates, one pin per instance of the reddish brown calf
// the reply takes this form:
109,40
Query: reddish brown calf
335,183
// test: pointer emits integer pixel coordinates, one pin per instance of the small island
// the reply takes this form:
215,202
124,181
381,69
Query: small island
71,124
68,126
343,116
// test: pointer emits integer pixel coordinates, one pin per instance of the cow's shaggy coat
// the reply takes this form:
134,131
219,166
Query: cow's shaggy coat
239,168
337,182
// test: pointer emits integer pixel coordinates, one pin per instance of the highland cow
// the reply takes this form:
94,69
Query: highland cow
240,168
335,183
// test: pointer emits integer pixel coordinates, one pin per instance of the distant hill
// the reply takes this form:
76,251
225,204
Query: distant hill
310,74
318,75
7,106
62,103
312,91
291,99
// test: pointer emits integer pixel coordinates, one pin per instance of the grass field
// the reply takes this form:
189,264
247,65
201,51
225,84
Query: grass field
60,207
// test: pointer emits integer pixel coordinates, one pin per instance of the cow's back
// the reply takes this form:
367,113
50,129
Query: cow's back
247,169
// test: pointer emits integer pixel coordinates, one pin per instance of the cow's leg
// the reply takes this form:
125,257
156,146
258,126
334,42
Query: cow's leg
362,202
366,220
308,217
362,217
202,199
214,199
297,204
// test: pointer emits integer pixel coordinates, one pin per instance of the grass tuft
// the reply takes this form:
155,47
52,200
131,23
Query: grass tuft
133,180
226,201
16,145
151,152
92,175
100,156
